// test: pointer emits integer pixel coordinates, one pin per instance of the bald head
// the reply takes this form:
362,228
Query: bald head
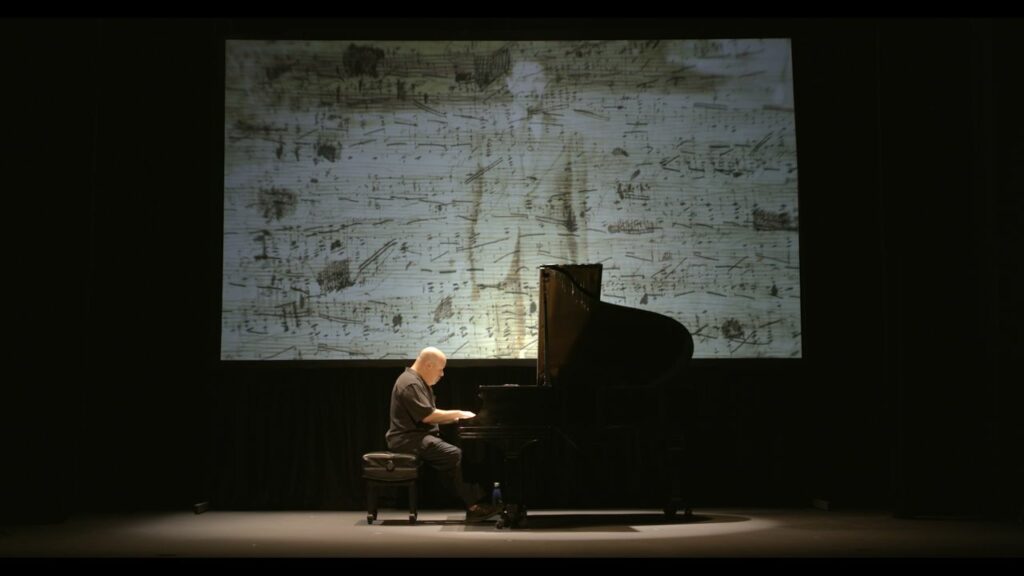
431,354
430,365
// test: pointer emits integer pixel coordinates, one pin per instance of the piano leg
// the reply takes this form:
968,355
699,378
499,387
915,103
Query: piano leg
513,515
675,480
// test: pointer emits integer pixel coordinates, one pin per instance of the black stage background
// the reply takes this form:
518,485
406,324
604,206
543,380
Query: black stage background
910,187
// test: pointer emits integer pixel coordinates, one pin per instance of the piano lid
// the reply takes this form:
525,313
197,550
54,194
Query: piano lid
587,341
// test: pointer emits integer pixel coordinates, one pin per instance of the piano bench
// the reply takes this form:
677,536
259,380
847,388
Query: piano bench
389,470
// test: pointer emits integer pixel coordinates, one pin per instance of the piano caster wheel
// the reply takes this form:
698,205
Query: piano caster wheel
370,518
412,518
688,513
512,517
505,520
670,511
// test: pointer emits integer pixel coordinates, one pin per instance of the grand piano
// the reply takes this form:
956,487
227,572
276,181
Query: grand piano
598,365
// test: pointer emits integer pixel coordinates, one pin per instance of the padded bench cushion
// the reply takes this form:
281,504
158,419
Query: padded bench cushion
390,466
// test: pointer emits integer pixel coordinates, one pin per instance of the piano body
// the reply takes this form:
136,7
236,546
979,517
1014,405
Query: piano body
592,357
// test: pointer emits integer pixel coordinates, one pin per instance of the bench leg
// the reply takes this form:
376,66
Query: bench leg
412,503
371,502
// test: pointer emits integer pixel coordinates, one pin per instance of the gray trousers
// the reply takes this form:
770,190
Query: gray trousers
447,460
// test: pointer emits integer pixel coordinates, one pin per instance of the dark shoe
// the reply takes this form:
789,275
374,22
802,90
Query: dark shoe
482,512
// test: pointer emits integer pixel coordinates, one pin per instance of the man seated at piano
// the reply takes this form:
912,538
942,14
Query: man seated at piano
414,430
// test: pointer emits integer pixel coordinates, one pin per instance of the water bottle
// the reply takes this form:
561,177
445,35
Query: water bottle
496,494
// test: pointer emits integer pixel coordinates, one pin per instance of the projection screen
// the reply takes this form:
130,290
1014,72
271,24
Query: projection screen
380,197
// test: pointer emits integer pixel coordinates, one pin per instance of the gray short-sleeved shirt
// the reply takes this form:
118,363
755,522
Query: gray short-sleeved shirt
411,401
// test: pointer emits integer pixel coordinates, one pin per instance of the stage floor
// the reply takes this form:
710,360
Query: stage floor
718,533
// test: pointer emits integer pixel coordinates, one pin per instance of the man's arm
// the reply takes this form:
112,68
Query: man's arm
439,416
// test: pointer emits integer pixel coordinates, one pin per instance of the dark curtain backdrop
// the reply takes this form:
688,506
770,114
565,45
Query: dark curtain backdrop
907,397
287,437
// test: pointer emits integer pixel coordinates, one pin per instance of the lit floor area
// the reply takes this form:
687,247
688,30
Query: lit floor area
549,533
